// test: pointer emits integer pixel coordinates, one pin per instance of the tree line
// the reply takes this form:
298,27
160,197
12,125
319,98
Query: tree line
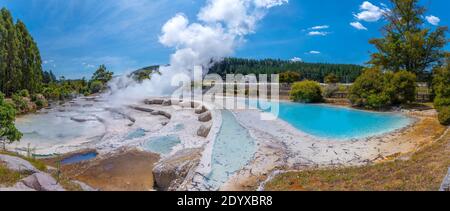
346,73
20,60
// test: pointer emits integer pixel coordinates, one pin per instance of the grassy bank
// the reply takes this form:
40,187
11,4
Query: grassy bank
424,171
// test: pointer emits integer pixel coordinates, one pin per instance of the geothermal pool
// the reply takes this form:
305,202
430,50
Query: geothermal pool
337,123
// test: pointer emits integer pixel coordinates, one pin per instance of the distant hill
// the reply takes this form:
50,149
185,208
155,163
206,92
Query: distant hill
346,73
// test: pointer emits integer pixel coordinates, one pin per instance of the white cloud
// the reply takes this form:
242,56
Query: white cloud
296,59
317,33
314,52
319,27
433,20
358,25
270,3
370,12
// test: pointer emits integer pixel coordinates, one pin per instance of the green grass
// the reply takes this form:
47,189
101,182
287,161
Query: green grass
7,177
423,172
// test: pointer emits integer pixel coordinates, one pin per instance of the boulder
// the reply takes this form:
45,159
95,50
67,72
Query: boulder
18,187
205,117
18,164
171,172
201,110
42,182
204,130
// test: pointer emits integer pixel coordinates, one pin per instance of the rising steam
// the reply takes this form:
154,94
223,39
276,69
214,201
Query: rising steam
220,28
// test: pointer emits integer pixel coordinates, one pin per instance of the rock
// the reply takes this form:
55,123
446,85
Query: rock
18,164
201,110
149,110
83,119
42,182
205,117
84,186
171,172
18,187
154,102
167,103
446,184
162,113
186,104
203,131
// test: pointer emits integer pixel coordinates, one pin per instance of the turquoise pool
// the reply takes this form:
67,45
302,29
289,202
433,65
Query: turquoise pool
338,123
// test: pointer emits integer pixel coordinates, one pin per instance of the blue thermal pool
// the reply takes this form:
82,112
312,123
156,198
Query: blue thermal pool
232,150
79,158
161,145
340,123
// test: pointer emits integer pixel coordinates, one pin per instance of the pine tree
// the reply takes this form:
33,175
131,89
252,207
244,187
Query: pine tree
407,44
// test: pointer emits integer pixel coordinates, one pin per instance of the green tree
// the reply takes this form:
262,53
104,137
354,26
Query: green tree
407,44
31,64
441,85
10,72
306,92
8,131
102,74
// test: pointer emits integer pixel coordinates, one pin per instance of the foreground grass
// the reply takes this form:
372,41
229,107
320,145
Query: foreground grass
423,172
8,177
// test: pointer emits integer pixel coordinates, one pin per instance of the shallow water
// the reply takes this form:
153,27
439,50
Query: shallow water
162,144
79,158
233,149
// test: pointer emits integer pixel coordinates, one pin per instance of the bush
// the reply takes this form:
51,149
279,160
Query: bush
20,103
290,77
96,87
368,89
375,89
306,92
444,115
401,87
39,100
331,79
24,93
441,86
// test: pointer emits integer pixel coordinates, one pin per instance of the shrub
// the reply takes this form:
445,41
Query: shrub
39,100
441,86
444,115
306,92
24,93
96,86
402,87
20,103
289,77
368,89
375,89
331,79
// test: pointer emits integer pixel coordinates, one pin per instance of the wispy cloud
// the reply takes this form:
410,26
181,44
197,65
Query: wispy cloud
358,25
314,52
317,33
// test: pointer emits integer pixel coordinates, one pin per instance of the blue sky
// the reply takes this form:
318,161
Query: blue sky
75,36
